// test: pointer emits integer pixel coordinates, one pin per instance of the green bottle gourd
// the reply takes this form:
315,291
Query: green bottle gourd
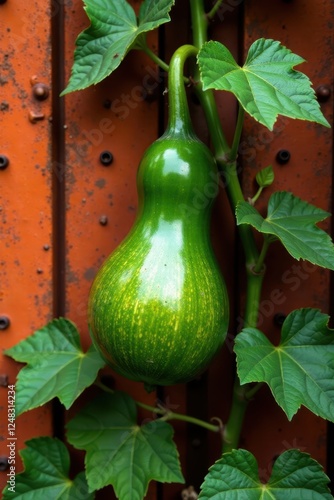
158,307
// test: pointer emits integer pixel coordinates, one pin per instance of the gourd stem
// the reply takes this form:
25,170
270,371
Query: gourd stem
179,121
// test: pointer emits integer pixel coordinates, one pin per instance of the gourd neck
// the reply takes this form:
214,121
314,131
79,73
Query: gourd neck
179,122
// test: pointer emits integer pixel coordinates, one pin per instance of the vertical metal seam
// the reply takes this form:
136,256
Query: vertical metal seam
330,425
58,171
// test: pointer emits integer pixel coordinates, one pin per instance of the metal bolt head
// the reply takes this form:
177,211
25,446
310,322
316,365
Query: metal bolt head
106,158
103,220
3,463
283,156
3,380
4,322
40,91
279,319
323,93
4,162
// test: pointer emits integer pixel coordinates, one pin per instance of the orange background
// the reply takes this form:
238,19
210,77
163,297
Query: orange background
62,212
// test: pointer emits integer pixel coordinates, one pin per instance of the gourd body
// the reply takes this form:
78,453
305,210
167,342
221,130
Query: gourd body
158,307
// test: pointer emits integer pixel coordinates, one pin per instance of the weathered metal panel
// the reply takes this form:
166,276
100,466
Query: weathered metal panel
306,28
117,117
121,116
25,201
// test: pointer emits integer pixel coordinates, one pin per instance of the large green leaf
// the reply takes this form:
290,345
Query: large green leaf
119,451
295,476
57,366
292,220
300,369
46,474
266,86
113,31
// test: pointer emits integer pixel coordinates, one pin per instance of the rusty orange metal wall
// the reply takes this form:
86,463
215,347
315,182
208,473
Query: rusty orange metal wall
60,164
26,199
306,28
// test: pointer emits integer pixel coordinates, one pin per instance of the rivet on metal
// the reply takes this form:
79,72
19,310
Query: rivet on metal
103,220
107,104
34,79
46,247
4,322
279,319
4,162
106,158
3,463
40,91
323,93
34,116
283,156
3,380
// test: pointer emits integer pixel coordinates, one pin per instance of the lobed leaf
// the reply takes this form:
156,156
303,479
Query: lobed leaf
46,474
56,366
292,220
113,31
119,451
266,85
299,370
295,475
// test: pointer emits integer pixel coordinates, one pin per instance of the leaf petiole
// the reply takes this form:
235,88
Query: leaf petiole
259,266
237,134
256,196
211,14
165,413
145,48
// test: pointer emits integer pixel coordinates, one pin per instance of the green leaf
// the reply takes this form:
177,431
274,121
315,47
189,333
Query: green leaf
266,86
119,451
292,220
295,475
265,177
113,31
57,366
299,370
46,474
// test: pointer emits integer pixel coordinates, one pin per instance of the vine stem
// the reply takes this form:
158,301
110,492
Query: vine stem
227,162
165,413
